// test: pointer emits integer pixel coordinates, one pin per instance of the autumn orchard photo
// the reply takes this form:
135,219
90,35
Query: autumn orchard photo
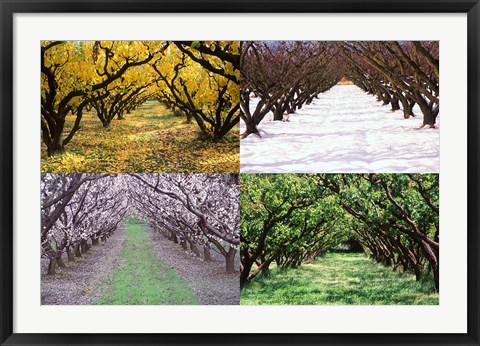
140,106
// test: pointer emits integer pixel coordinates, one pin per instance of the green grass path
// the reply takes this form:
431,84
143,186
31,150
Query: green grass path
141,278
339,278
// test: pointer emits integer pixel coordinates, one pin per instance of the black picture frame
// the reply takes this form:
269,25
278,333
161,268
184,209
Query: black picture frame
10,7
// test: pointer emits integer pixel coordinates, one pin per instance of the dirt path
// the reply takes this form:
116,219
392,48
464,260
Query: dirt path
208,280
77,284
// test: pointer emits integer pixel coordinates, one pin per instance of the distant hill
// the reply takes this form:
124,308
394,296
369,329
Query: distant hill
344,81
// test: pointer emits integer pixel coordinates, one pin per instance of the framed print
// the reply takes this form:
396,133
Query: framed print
285,163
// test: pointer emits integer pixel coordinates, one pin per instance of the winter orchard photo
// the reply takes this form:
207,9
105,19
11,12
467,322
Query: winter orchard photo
140,106
339,106
347,239
140,239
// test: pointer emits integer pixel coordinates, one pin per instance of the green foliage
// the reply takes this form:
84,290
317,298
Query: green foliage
291,218
287,219
339,279
141,279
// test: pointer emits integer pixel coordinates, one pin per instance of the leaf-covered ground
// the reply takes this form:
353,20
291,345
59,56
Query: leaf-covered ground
339,279
150,140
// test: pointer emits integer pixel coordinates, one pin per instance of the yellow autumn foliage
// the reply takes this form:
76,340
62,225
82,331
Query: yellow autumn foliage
149,139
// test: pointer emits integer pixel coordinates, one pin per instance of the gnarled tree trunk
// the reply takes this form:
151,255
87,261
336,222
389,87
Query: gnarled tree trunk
230,260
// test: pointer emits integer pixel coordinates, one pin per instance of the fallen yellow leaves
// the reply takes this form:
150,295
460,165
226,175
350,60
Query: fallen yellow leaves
150,139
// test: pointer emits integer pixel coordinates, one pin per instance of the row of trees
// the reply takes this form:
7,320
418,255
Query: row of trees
80,210
198,211
77,211
113,77
281,77
288,219
397,72
283,220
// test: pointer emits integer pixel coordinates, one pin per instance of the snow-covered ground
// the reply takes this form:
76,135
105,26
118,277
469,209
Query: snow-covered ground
344,130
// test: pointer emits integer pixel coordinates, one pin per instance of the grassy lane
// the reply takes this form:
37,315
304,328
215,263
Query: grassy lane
343,279
141,278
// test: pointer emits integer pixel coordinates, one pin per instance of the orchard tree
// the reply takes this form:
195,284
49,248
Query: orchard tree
122,95
199,204
76,208
280,77
201,79
395,216
284,220
73,75
283,75
288,219
198,211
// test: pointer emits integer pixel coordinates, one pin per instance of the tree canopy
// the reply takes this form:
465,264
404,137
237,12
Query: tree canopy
114,77
291,218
